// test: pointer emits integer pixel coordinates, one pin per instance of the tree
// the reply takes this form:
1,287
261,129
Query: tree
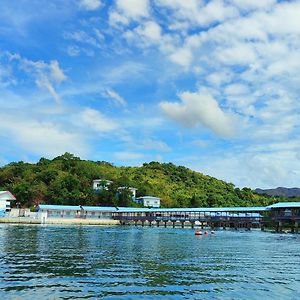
124,197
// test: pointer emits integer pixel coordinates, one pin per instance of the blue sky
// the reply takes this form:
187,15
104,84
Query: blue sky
211,85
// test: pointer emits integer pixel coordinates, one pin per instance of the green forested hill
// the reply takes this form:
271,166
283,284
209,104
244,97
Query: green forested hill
68,180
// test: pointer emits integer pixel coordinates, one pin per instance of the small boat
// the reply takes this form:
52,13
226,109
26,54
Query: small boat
212,232
198,233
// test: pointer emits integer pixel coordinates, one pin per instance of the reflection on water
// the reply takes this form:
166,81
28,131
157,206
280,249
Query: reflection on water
72,262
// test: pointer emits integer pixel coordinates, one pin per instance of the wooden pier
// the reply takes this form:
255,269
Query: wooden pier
280,216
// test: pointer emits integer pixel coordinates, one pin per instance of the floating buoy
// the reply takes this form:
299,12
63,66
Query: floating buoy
212,232
198,233
206,233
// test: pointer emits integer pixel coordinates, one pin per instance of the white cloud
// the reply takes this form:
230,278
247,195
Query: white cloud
199,12
45,75
246,5
41,138
90,4
200,109
96,121
182,57
44,82
126,155
115,96
152,144
254,169
56,72
73,50
216,11
128,10
83,37
236,89
150,31
133,8
200,143
240,54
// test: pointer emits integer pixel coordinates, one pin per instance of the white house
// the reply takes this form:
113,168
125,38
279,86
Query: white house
149,201
131,189
101,184
5,198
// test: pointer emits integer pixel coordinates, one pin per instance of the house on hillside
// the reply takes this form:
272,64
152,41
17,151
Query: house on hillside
5,199
148,201
131,189
101,184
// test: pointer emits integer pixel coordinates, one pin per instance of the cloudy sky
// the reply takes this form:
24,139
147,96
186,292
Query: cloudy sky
211,85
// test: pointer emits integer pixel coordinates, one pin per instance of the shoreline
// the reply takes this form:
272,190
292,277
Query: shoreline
24,220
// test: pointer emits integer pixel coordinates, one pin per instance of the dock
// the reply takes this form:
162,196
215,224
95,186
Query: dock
279,217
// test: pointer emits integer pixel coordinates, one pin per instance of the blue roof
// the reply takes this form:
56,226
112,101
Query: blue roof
59,207
99,208
76,207
284,205
198,209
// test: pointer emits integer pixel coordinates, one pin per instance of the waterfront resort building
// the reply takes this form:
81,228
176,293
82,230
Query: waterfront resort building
76,211
148,201
5,198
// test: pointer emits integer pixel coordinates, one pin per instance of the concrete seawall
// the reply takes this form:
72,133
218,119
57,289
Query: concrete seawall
24,220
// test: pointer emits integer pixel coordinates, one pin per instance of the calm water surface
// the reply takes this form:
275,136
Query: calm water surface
90,262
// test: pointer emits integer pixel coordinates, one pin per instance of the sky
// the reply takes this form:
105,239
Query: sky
210,85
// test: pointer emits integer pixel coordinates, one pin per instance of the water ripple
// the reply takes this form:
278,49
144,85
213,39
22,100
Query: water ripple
90,262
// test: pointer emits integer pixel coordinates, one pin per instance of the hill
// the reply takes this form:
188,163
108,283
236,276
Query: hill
68,180
280,192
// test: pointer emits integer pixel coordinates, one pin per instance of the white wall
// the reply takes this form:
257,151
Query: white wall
4,204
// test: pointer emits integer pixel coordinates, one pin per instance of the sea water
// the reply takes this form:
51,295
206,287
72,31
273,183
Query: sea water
127,262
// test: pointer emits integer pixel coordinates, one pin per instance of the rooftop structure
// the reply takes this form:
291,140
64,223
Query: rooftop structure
282,205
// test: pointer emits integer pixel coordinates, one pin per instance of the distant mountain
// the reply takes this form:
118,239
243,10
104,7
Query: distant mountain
280,191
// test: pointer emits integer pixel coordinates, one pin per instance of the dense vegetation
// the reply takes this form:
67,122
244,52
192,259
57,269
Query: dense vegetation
68,180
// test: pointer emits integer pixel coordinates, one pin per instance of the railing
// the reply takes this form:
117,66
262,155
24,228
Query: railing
215,219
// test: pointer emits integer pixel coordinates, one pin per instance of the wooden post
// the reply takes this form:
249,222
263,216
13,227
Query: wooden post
294,227
157,223
193,224
279,227
182,224
165,224
173,224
